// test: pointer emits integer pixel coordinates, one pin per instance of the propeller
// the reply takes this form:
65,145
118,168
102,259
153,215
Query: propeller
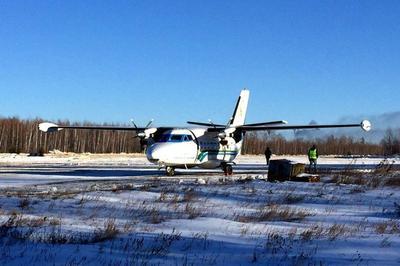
144,133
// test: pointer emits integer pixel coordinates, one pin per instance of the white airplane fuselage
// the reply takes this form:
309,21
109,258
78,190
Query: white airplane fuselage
186,148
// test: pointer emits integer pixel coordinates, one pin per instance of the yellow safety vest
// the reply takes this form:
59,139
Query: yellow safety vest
312,154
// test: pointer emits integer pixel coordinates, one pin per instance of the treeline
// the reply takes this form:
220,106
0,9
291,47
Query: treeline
23,136
257,143
391,142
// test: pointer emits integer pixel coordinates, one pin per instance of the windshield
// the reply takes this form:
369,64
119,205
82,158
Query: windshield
175,138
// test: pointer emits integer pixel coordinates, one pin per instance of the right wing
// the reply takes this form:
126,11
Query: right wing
51,127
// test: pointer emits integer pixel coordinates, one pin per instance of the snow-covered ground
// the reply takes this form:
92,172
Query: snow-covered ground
121,210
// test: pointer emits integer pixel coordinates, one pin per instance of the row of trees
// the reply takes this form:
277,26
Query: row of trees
391,142
18,136
24,136
256,144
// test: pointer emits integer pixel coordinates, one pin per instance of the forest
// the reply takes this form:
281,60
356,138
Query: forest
22,136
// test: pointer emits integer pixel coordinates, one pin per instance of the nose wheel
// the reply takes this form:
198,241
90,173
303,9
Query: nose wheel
227,168
170,171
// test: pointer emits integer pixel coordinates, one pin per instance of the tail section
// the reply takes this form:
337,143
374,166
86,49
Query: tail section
239,115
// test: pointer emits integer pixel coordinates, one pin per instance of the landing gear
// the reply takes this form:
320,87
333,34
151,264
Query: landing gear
227,168
170,171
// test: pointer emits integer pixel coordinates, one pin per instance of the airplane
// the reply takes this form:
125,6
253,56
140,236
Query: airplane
207,146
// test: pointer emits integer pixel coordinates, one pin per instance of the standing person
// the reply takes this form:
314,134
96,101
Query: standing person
312,157
268,154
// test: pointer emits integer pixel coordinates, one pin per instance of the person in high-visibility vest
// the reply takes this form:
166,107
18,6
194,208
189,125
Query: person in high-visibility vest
312,157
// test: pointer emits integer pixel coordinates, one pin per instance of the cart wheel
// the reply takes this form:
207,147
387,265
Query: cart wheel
170,171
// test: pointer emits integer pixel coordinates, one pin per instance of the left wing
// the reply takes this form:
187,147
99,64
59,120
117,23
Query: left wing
365,125
141,132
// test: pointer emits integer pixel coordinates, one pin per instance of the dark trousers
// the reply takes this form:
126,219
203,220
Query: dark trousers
313,165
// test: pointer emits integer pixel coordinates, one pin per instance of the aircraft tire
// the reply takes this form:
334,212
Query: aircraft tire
229,169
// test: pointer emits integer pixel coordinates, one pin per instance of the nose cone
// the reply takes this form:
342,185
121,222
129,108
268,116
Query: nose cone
154,153
151,154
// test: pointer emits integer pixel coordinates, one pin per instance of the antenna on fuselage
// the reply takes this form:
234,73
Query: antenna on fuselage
211,122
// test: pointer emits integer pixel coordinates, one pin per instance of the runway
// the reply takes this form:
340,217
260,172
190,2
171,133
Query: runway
47,173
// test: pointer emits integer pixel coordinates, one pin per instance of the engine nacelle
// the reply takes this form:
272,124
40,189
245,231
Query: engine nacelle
222,135
147,133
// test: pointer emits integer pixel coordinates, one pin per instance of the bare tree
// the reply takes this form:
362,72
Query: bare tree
18,135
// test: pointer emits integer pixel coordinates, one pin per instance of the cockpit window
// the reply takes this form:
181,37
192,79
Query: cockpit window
164,138
175,138
187,138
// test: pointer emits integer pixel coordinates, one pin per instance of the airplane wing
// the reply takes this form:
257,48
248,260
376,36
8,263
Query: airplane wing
365,125
51,127
141,132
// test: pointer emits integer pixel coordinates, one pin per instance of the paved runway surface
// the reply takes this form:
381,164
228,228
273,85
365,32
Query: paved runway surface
13,175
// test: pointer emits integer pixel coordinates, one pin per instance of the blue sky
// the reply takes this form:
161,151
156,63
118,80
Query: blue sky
109,61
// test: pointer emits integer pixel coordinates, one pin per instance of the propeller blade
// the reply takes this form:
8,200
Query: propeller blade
133,123
149,124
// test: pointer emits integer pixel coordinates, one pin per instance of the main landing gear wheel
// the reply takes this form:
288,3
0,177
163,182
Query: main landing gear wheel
227,168
170,171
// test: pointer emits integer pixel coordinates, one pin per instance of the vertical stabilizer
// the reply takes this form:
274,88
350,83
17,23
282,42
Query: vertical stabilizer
239,114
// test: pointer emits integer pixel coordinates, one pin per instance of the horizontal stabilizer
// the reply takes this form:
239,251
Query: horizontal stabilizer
267,123
205,124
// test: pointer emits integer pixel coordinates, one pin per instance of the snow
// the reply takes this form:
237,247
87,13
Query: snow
119,209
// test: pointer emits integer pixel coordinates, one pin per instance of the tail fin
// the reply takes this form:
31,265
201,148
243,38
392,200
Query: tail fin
239,114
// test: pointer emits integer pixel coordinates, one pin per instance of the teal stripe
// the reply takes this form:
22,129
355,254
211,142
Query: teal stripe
203,154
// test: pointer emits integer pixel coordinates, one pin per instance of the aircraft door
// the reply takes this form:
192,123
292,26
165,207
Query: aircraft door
183,148
189,149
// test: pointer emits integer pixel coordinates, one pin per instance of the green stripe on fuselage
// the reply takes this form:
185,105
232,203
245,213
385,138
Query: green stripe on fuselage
203,154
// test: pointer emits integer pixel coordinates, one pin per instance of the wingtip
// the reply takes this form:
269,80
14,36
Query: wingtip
366,125
48,127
